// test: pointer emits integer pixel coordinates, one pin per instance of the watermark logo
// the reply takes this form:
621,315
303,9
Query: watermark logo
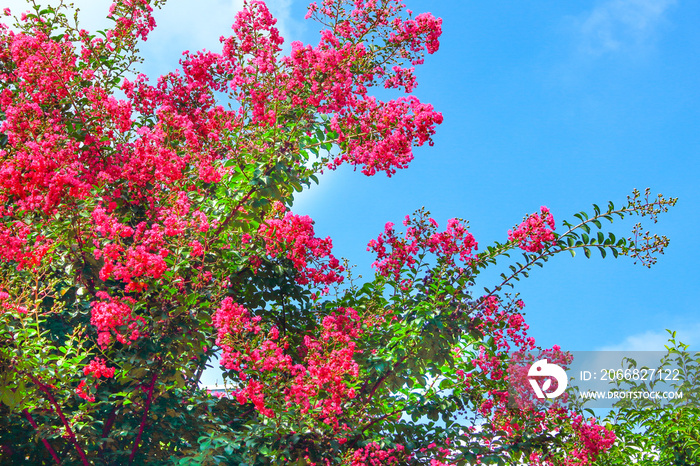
542,368
600,379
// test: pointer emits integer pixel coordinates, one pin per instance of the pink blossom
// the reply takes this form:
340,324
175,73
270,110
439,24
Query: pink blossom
292,236
535,232
83,392
98,369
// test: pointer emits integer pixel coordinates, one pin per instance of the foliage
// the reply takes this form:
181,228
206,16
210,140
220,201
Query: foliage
659,431
145,229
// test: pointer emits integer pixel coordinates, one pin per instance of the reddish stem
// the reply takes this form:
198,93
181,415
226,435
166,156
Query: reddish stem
44,388
46,443
107,427
149,398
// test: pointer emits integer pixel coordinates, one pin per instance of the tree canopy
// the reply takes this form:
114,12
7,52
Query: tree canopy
146,231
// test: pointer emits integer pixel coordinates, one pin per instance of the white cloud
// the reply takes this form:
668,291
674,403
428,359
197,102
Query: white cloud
620,25
652,340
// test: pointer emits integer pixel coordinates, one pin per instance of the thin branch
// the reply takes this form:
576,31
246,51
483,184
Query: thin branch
107,427
71,435
548,252
383,378
149,398
46,443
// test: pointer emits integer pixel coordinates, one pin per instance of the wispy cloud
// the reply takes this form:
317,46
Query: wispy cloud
657,340
620,26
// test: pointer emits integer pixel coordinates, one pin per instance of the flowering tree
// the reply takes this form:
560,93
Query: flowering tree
145,229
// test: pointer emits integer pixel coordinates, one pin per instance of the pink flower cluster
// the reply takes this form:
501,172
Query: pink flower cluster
83,391
292,236
115,317
535,231
134,255
232,319
271,381
455,240
376,135
505,323
594,439
395,253
17,246
323,383
401,253
399,124
98,368
374,455
133,17
590,441
441,455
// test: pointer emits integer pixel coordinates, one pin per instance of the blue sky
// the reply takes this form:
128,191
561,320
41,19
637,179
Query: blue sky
560,104
550,103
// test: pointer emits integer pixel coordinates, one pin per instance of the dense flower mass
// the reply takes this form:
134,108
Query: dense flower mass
374,455
318,386
594,438
416,123
115,318
292,236
535,232
98,369
401,253
232,319
395,253
455,240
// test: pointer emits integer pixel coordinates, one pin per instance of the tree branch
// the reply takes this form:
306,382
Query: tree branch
71,435
149,398
46,443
